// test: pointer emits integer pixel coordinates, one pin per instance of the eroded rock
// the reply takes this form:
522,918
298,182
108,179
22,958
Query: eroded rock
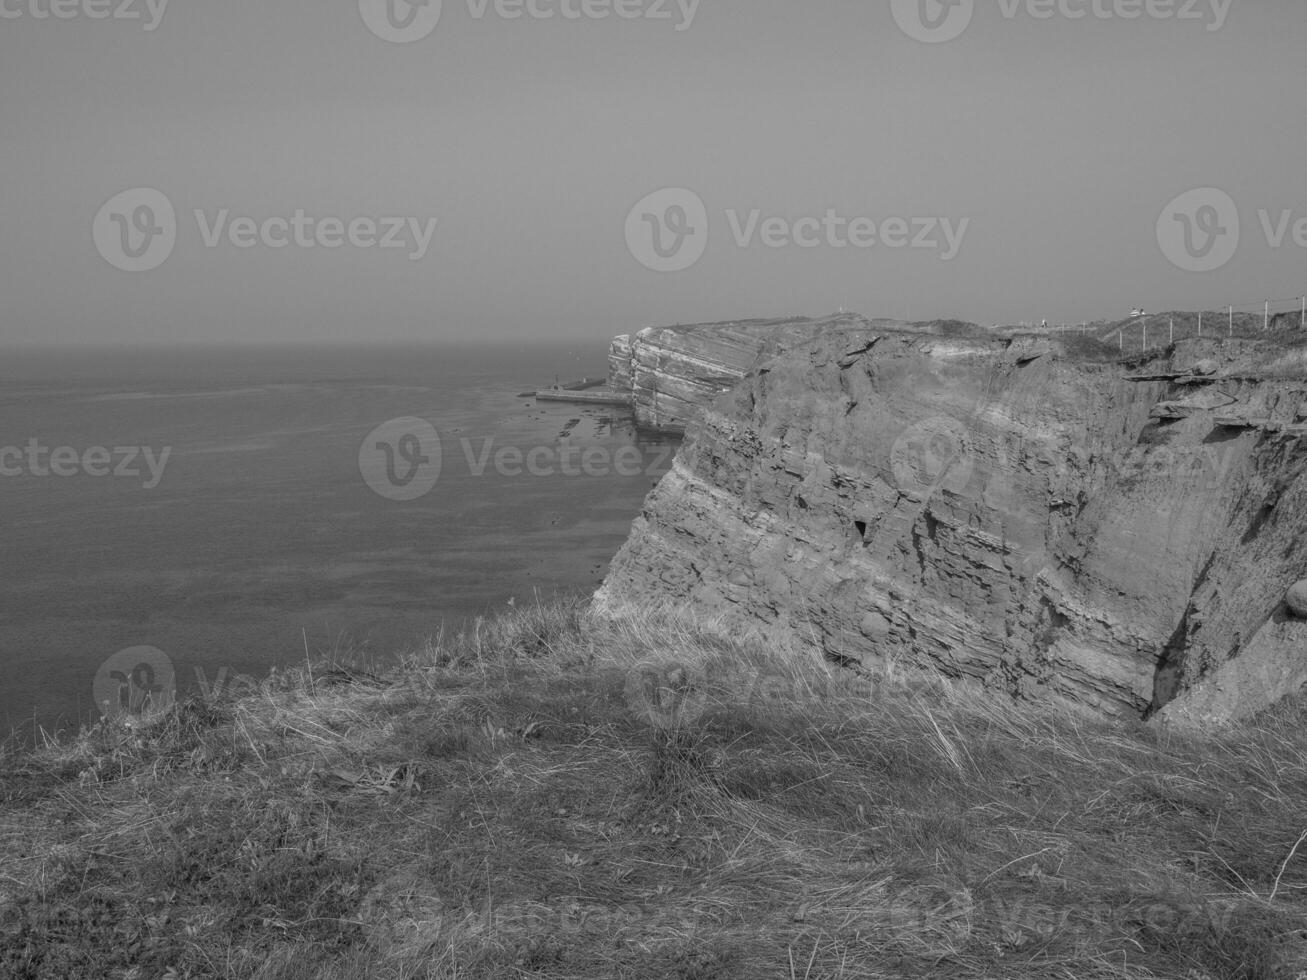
672,372
953,506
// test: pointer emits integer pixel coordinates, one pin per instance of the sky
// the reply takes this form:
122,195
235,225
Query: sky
310,171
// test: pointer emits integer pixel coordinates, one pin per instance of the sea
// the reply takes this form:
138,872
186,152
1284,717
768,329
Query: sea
230,511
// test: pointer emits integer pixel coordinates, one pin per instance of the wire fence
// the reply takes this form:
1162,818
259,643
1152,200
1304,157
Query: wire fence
1143,331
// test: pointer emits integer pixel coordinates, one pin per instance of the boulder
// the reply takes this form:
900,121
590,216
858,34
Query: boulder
1297,599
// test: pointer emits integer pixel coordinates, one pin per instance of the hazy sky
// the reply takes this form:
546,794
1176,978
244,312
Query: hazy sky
1050,145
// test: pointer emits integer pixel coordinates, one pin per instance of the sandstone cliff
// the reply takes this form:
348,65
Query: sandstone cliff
1008,512
671,372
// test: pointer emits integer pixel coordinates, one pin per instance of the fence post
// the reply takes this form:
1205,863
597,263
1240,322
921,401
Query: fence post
1200,323
1232,321
1173,330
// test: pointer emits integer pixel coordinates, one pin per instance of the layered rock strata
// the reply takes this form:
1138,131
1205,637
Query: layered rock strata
672,372
1003,512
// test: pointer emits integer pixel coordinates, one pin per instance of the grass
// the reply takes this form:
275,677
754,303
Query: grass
563,794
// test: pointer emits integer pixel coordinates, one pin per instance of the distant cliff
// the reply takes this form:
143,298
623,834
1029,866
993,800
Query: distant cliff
1028,514
671,372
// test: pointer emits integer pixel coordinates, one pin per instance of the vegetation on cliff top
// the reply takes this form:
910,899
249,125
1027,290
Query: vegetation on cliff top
522,801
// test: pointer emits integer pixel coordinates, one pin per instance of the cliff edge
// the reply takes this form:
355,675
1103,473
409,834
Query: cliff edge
671,372
1029,514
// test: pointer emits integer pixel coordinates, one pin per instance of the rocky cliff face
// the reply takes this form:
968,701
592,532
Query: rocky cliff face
672,372
1005,512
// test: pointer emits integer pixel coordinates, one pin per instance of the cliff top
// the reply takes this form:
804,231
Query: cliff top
1176,339
767,324
557,794
835,321
1102,339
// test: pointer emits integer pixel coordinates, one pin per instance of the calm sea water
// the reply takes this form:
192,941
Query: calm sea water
262,536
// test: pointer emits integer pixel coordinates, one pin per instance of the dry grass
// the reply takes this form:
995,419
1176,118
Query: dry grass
558,794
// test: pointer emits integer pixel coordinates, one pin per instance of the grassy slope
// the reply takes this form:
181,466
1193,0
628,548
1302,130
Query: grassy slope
509,806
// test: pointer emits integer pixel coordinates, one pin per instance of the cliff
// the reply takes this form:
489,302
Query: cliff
1027,514
671,372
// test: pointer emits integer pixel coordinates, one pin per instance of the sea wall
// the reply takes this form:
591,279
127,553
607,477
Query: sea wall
1013,513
